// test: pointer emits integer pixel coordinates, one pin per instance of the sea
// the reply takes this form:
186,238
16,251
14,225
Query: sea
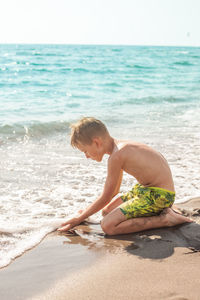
149,94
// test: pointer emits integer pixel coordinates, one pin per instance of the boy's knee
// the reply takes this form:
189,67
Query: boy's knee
107,227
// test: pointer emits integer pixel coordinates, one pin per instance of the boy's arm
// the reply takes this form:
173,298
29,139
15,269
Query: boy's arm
118,184
112,185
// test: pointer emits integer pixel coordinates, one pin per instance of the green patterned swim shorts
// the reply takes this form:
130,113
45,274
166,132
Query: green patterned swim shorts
144,201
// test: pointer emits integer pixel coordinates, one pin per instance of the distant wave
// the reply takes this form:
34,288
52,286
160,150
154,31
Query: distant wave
112,84
117,50
142,67
84,70
33,130
47,54
183,63
147,100
42,70
195,56
94,70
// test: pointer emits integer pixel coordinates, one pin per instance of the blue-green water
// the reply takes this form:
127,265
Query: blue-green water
44,85
149,94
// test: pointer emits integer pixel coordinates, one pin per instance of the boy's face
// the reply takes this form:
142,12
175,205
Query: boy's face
93,151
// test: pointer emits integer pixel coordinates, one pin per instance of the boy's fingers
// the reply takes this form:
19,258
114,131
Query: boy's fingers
65,228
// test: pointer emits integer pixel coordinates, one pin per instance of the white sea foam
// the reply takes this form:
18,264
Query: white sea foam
42,185
15,241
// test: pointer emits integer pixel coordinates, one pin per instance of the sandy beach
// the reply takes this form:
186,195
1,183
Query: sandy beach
154,264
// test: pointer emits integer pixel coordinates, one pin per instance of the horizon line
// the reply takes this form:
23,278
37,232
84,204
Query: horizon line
88,44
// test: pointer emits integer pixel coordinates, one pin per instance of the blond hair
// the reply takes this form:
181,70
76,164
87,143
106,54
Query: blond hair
85,130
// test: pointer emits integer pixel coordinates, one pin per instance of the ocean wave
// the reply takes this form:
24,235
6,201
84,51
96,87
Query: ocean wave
38,64
159,99
146,100
142,67
116,50
16,245
48,54
33,130
42,70
81,70
183,63
195,56
112,84
96,70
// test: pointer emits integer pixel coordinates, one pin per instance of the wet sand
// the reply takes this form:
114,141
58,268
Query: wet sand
155,264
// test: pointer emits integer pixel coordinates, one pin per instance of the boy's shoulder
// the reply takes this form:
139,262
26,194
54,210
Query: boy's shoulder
122,147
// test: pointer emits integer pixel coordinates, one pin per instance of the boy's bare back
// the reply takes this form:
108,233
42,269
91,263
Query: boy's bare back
148,166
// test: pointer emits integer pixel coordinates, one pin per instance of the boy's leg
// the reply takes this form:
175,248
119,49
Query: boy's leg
116,223
113,204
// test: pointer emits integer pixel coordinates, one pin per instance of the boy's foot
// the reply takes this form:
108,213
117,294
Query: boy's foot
176,209
174,218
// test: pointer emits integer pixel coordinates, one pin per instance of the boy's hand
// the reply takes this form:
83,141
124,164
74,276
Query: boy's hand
69,224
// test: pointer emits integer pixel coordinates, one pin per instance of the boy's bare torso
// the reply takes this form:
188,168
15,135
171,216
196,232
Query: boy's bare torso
148,166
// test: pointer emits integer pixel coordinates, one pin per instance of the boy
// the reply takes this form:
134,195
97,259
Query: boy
148,204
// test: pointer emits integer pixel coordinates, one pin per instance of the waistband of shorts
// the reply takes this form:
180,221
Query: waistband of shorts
157,189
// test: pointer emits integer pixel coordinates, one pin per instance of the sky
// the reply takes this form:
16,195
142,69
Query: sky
121,22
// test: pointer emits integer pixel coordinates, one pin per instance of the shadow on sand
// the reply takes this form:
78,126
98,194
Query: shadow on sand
151,244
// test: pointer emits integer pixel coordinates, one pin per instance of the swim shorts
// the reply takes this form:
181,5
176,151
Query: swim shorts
144,201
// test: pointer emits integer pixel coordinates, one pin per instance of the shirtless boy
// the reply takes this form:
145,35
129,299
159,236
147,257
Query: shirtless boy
148,204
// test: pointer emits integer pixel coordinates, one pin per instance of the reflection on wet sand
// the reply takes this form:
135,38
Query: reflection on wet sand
153,244
92,237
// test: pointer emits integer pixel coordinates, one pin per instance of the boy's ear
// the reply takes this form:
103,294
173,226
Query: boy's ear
97,141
